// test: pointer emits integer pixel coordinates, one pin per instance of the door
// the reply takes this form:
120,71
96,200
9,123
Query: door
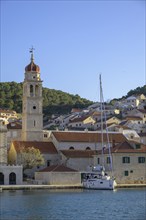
12,178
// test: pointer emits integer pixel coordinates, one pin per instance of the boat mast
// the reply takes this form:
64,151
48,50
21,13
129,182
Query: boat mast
101,115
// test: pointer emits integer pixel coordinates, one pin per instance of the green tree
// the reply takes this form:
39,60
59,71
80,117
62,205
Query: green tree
31,157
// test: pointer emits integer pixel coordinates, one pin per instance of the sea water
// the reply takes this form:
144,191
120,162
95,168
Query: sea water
77,204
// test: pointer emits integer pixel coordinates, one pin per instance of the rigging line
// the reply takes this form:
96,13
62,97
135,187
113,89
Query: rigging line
101,111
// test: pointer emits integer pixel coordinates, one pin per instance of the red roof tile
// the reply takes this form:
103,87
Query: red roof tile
78,153
131,117
125,147
91,137
44,147
58,168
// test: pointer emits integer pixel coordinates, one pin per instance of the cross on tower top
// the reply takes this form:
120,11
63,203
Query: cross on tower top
31,51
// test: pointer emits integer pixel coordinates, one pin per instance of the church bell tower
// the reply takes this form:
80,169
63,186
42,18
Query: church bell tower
32,117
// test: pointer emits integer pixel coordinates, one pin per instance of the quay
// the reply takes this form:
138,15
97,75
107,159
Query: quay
78,186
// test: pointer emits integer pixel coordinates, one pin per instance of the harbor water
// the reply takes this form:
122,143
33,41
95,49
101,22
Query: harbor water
73,204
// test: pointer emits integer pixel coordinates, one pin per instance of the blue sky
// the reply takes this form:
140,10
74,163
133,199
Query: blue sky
74,42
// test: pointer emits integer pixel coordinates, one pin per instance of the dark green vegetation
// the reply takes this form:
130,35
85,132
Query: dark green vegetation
54,101
137,91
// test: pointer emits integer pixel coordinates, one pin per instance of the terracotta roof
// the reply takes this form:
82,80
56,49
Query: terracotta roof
78,153
131,117
7,111
58,168
32,67
125,147
96,113
123,127
76,110
91,137
44,147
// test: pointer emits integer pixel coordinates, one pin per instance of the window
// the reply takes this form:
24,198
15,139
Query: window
71,148
98,160
126,172
45,135
34,107
137,146
48,163
141,159
108,160
126,159
88,148
34,123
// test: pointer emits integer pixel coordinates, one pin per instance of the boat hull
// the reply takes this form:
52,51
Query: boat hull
99,184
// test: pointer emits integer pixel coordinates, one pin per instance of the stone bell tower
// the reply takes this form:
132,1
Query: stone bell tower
32,117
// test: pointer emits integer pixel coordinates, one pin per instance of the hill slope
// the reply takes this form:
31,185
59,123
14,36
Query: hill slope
54,101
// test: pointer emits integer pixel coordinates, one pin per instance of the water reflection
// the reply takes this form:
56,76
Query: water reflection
70,204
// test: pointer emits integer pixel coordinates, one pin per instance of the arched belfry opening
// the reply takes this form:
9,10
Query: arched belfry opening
36,90
31,90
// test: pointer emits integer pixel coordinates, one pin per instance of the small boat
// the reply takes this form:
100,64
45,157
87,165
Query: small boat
97,178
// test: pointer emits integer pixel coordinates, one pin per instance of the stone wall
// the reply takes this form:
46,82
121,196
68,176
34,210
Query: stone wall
7,170
58,178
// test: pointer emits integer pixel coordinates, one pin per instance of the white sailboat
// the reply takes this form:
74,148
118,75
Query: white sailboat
98,178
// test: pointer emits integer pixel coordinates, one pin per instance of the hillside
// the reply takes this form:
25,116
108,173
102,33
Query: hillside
132,92
54,101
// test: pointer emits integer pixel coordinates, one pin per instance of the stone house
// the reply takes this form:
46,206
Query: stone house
77,140
77,159
58,175
140,113
132,101
128,161
82,122
8,114
109,121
